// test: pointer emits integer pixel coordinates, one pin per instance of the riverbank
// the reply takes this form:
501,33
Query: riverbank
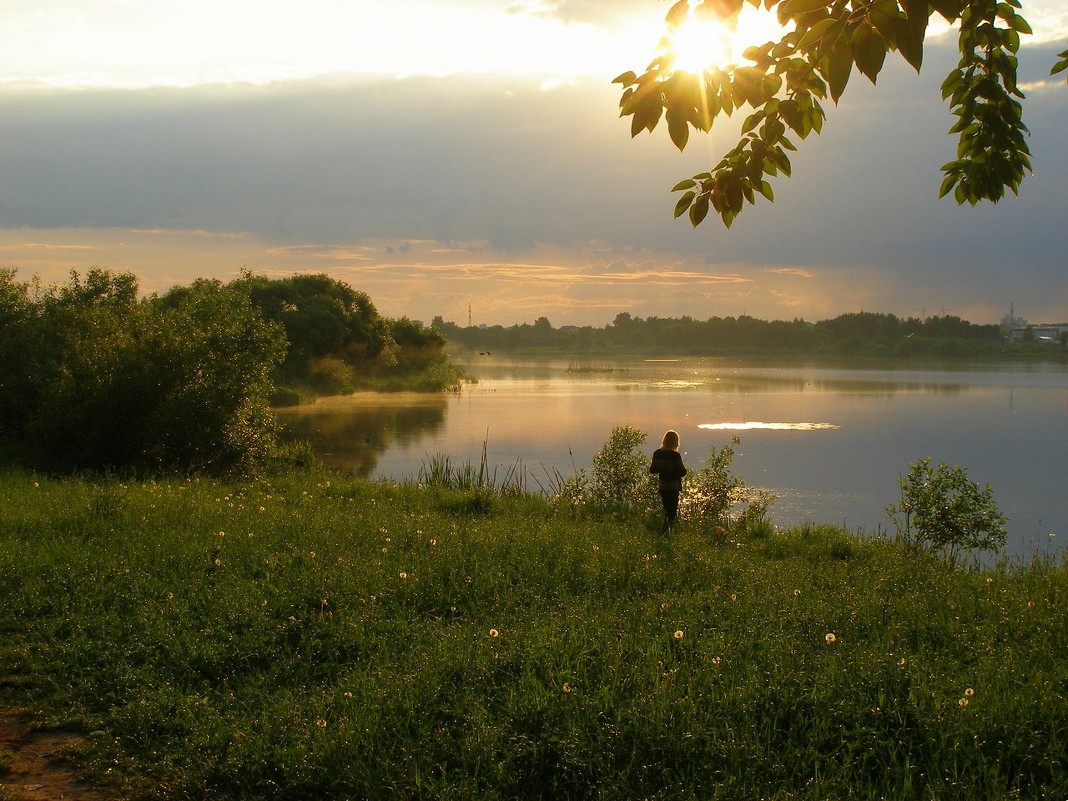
309,635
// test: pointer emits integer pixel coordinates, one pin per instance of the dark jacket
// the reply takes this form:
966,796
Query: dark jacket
667,464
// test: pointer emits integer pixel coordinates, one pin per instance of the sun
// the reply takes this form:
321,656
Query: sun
703,41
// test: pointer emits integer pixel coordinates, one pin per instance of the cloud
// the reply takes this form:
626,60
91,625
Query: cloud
426,188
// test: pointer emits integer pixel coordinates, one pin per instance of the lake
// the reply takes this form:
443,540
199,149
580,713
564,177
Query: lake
831,443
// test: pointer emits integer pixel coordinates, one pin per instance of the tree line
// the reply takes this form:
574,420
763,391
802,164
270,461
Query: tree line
95,376
856,334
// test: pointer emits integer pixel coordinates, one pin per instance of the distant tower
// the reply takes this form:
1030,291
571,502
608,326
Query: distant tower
468,315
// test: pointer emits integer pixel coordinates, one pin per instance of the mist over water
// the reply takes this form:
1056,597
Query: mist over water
830,443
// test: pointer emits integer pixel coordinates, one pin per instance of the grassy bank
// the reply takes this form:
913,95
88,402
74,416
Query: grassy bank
309,636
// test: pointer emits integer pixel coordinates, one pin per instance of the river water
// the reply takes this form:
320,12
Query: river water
830,443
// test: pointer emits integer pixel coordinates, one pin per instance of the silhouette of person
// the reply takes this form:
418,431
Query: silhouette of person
668,467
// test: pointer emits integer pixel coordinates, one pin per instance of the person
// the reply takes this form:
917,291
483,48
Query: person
667,465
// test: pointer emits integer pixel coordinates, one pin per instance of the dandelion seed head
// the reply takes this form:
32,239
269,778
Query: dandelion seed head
963,702
969,692
494,633
830,638
716,660
566,688
679,634
403,575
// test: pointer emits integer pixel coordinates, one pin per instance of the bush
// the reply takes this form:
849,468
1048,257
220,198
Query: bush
96,379
620,476
943,511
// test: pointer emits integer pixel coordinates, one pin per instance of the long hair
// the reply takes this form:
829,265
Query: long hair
671,440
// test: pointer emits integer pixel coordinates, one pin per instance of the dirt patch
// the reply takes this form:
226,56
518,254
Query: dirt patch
32,766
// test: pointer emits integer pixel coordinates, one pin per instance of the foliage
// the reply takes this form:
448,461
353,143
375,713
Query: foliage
943,510
338,342
857,334
620,477
95,378
713,499
783,83
716,500
240,639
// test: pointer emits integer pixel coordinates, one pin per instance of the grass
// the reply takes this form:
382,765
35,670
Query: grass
309,635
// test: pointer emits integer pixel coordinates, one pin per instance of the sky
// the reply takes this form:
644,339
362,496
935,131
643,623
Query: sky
467,160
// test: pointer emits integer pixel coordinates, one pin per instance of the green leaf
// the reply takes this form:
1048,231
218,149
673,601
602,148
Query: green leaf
689,183
698,211
752,121
678,130
816,33
684,203
792,9
836,68
626,78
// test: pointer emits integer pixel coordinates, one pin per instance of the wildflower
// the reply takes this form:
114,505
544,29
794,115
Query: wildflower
968,693
830,638
963,702
566,688
679,634
403,575
494,633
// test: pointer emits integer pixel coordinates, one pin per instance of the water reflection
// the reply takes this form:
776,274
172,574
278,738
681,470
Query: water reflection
831,443
350,433
753,425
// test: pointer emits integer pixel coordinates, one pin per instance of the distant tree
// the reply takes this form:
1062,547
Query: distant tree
324,319
783,83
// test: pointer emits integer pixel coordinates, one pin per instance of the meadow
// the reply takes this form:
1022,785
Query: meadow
307,635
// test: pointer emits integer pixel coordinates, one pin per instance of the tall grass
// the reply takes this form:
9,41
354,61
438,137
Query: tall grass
312,636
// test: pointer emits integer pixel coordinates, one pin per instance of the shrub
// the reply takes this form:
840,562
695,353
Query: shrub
620,478
943,510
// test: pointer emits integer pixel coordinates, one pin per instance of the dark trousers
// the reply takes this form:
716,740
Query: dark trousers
670,499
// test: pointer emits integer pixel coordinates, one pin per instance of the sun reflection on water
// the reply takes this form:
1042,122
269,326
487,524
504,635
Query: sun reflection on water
754,425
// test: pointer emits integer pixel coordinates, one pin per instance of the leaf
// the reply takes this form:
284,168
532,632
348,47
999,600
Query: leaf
698,211
816,33
792,9
836,69
947,184
678,130
869,52
626,78
689,183
684,203
752,121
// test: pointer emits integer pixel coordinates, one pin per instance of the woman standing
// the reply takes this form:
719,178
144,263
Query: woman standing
667,465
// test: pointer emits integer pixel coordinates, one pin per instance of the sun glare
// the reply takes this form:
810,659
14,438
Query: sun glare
705,42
